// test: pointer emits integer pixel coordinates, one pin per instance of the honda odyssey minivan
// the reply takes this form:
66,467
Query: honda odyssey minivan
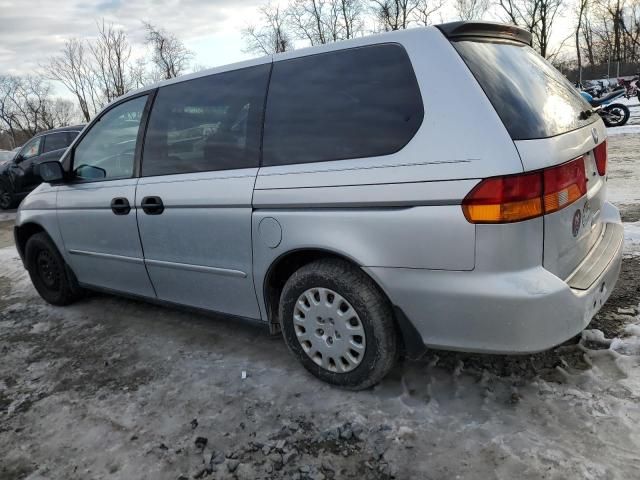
441,187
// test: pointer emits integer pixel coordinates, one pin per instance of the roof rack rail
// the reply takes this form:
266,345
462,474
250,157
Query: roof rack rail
455,30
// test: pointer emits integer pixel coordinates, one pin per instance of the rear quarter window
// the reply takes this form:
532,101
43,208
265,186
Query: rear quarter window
352,103
533,99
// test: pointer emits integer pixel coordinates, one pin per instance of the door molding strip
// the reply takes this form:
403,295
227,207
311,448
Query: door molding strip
196,268
161,263
108,256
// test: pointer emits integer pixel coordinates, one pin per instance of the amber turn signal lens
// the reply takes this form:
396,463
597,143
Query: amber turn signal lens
514,198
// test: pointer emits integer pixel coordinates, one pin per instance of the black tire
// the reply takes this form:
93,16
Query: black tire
622,115
372,308
7,198
49,273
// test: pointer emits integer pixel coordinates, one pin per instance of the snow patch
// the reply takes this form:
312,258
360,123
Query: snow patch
625,129
632,238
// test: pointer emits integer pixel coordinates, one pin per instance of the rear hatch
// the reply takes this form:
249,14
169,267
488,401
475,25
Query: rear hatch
550,124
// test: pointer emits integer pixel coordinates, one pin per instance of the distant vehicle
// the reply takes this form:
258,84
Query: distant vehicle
6,156
336,194
630,86
18,175
613,114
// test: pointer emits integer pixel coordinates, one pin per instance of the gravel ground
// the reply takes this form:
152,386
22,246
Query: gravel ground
111,388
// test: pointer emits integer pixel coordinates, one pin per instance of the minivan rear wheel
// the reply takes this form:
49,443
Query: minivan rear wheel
49,273
339,324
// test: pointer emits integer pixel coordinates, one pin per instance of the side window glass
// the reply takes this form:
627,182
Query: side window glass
55,141
107,151
354,103
71,136
206,124
31,149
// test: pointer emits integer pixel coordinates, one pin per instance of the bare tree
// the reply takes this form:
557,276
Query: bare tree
351,12
26,107
610,32
471,9
587,35
426,10
74,70
401,14
61,112
308,20
168,54
394,14
138,74
271,35
581,12
537,16
324,21
111,52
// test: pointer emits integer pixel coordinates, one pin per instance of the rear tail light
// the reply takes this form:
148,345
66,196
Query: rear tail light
600,153
564,184
514,198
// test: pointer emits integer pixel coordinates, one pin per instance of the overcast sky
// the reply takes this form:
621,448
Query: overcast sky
31,31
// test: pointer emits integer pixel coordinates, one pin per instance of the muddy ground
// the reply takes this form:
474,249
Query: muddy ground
111,388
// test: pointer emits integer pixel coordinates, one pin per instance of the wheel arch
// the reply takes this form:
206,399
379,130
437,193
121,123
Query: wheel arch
23,233
287,263
283,266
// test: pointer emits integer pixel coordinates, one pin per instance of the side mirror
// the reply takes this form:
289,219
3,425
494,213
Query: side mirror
51,172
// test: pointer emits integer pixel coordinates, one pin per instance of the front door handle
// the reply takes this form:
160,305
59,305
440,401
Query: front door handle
152,205
120,206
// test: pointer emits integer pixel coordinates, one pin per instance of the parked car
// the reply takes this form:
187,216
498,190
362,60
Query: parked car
348,196
18,174
5,156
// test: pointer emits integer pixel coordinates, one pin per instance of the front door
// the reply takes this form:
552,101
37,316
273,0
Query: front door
96,208
201,156
22,170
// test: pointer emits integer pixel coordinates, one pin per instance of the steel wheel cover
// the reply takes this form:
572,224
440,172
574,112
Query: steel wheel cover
329,330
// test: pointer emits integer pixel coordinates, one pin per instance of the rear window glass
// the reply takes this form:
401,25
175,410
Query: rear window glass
533,99
353,103
56,141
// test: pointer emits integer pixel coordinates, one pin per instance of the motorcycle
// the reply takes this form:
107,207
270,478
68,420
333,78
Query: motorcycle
631,86
596,88
613,114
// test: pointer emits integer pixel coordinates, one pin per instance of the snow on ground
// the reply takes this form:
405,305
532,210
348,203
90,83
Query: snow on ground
111,388
6,215
632,238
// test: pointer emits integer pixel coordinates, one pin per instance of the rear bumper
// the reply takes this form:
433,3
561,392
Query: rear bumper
502,312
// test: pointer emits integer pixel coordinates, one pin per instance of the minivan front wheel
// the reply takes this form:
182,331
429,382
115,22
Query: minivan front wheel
48,271
339,324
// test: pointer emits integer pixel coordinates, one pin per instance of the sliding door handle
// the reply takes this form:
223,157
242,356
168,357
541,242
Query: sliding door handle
152,205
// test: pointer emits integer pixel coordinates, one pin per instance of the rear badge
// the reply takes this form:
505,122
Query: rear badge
594,134
577,222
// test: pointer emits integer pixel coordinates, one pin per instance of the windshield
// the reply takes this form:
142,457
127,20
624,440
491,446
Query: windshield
533,99
6,156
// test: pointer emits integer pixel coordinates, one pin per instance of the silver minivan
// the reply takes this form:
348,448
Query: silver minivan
439,187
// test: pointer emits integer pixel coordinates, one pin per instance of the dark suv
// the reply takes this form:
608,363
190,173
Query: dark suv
19,176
